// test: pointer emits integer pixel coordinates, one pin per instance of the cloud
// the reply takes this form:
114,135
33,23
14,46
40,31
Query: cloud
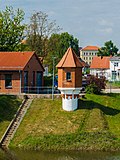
108,30
104,22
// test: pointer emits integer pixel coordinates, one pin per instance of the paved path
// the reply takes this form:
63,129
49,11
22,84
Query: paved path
110,90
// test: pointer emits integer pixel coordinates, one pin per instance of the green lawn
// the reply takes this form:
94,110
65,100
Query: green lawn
8,107
115,84
94,126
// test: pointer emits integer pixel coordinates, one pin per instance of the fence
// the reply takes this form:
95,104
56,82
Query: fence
31,90
40,90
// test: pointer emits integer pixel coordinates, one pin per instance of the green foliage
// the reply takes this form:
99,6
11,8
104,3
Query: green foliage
108,49
48,81
11,29
91,88
95,84
58,45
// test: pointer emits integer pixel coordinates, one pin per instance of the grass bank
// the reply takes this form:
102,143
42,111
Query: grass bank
94,126
8,107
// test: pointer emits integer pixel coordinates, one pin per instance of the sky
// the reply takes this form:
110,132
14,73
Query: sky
92,22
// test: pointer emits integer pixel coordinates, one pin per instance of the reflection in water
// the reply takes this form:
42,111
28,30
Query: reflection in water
39,155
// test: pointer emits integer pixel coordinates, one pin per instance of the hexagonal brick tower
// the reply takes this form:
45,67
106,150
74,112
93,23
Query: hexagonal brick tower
69,79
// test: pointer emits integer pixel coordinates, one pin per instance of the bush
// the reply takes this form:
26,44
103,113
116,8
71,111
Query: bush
48,81
95,84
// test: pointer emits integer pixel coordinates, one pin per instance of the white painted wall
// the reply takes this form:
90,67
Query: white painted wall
70,104
100,72
113,67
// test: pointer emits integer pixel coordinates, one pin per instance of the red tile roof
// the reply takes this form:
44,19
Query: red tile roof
14,60
90,48
69,59
100,63
84,64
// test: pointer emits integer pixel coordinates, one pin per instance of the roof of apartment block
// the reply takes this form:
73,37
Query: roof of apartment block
100,63
90,48
69,59
14,60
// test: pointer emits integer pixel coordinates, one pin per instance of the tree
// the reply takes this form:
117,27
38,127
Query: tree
38,32
11,29
108,49
58,45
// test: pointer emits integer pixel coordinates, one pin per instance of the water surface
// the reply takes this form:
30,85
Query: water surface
39,155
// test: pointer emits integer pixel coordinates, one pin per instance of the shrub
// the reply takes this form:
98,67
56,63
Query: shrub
48,81
95,84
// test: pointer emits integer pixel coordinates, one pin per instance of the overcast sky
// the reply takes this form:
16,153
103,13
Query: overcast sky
93,22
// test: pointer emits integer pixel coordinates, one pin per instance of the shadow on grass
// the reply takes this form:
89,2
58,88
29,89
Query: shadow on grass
87,104
8,107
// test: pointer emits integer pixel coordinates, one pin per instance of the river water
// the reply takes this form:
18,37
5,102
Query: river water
39,155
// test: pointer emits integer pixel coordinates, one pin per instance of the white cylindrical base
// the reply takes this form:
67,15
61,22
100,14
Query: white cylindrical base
69,104
70,98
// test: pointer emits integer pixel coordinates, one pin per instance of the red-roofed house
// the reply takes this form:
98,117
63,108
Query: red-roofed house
87,53
100,66
19,71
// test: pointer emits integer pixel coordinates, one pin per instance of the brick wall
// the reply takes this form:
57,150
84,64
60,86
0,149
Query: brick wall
76,78
33,65
15,82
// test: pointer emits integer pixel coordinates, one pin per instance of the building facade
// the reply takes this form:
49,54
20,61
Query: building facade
115,68
20,72
87,53
100,67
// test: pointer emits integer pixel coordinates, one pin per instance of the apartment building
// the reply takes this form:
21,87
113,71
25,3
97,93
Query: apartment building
87,53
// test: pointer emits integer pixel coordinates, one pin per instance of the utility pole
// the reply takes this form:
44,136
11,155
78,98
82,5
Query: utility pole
53,79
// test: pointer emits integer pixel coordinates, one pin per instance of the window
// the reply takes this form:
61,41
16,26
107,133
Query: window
68,76
39,79
115,64
33,83
114,75
8,80
25,78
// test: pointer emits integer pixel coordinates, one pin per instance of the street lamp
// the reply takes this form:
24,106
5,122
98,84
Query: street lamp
53,78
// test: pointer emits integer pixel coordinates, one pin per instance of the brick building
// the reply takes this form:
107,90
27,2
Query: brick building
70,79
19,71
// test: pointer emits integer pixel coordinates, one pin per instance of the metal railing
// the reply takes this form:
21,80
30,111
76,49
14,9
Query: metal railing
31,90
39,90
